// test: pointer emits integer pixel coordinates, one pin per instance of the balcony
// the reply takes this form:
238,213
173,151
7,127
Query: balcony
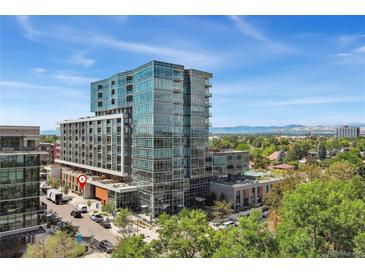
178,79
208,94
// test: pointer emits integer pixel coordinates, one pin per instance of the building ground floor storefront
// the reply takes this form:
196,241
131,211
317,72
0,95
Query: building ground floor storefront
13,243
244,193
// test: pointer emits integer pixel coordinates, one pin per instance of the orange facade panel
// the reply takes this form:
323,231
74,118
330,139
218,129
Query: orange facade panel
101,194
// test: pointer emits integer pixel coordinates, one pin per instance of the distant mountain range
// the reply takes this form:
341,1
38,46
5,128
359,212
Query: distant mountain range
288,129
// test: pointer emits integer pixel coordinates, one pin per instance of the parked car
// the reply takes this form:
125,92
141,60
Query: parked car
105,246
265,214
105,224
82,208
97,218
76,213
65,198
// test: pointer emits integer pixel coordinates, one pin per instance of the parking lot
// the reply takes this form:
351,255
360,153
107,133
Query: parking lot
87,227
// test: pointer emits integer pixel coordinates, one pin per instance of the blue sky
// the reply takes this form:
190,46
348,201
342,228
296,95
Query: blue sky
268,70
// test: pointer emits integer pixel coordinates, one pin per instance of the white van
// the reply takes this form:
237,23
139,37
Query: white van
82,208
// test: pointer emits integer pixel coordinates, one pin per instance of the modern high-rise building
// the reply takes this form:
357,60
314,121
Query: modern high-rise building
150,129
347,132
19,188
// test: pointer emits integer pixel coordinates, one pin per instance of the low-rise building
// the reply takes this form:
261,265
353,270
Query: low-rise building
69,179
243,193
114,192
53,171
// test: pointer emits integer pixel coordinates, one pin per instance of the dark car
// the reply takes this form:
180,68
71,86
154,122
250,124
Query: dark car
105,224
106,246
76,213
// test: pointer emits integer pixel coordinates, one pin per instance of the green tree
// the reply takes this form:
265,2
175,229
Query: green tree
49,138
123,221
222,210
295,153
69,228
133,247
281,157
321,219
66,189
60,245
261,162
341,171
359,241
268,150
251,239
186,235
351,156
53,182
322,153
108,208
243,147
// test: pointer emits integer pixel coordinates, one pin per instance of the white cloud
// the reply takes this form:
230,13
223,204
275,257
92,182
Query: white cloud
360,49
81,59
73,78
178,55
9,88
38,70
343,54
245,28
15,84
347,39
25,23
252,32
191,57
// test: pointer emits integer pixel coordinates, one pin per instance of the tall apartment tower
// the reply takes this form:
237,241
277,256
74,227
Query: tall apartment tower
159,139
19,188
347,132
196,134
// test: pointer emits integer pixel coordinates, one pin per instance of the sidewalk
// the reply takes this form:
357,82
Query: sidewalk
150,233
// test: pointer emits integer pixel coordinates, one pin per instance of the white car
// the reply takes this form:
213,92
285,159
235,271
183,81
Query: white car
97,218
65,198
83,208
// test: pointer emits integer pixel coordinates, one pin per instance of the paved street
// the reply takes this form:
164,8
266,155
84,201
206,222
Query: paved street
86,226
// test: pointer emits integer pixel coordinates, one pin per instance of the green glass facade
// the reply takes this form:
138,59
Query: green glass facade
170,123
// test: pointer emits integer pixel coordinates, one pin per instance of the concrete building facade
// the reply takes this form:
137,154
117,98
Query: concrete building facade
20,207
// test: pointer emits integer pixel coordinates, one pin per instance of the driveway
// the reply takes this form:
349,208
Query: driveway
87,227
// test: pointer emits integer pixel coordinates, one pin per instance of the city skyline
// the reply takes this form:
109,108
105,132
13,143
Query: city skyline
267,69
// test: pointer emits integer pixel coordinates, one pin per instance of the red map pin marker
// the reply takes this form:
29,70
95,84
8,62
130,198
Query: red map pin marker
82,179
